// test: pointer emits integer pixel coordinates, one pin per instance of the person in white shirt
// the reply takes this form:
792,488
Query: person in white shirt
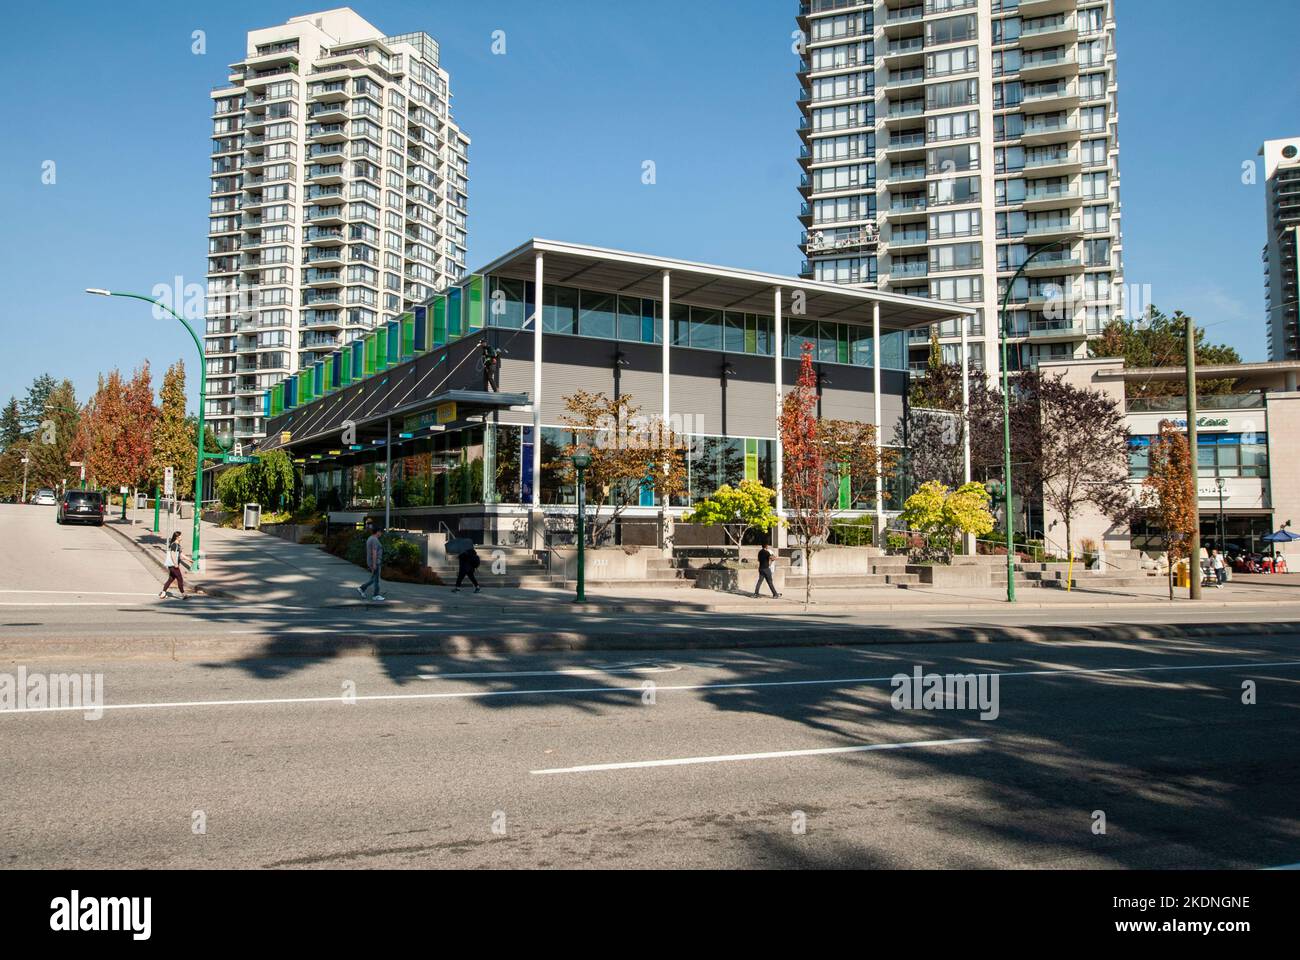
173,551
1219,568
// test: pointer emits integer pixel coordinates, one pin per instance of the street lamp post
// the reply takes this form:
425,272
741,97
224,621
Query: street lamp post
1223,521
1006,418
195,553
581,461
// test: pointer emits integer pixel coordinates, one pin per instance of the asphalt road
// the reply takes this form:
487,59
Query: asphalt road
433,754
765,758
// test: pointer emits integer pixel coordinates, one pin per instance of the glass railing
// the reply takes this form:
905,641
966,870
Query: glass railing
1226,401
1051,159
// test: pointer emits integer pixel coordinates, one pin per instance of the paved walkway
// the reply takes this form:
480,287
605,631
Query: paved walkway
259,568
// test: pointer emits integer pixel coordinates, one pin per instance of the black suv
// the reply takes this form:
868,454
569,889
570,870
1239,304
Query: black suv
81,506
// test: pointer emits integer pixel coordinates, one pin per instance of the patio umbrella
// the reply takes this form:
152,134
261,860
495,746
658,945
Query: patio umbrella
1282,536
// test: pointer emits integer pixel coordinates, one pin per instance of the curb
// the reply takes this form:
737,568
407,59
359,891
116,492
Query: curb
271,646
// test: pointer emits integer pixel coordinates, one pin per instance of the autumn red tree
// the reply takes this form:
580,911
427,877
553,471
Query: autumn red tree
115,437
1170,495
806,492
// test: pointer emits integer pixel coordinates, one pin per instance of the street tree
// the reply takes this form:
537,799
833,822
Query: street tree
854,452
809,493
173,444
32,407
51,447
1156,340
630,454
941,515
1170,501
11,425
737,510
1083,455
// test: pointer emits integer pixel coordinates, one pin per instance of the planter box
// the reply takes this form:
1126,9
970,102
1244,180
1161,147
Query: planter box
602,563
737,581
961,575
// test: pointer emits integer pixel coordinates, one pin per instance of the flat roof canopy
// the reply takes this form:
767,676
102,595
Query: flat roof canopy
1247,374
720,288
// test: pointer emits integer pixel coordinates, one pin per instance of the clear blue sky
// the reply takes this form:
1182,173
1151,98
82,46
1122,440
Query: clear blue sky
561,124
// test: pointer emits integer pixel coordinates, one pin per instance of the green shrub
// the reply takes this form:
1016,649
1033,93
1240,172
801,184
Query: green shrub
858,532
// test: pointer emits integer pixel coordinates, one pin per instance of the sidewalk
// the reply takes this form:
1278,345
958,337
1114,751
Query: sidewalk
257,568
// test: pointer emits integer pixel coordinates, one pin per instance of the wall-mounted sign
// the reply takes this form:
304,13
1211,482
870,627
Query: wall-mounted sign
445,413
1202,422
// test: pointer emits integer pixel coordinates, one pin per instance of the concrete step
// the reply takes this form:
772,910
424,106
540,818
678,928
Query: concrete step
840,580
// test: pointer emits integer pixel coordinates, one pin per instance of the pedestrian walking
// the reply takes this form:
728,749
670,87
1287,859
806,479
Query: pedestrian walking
468,563
173,551
765,573
374,563
1220,569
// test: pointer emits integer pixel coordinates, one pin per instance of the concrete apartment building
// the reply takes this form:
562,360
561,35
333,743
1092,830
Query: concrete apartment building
944,141
339,195
1282,196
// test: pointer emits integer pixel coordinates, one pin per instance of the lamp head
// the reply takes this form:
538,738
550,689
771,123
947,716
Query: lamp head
98,292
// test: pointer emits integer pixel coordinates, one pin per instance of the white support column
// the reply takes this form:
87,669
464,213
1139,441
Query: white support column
667,373
667,345
538,300
965,414
880,435
778,351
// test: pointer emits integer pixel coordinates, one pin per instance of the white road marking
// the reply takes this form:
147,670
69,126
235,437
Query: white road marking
664,688
82,593
63,603
571,672
732,758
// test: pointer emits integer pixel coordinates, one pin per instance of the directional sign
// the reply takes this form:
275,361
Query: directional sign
239,460
169,482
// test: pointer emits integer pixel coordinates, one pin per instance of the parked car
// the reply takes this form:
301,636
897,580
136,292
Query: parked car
82,506
45,498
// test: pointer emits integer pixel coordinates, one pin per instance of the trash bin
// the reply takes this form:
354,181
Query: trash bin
141,501
252,516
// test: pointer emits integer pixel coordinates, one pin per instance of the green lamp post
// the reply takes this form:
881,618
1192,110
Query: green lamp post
1008,495
195,554
581,459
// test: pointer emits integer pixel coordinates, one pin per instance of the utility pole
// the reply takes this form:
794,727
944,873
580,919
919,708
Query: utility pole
1194,557
25,460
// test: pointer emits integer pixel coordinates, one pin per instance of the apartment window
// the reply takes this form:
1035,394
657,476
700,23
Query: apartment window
1095,186
957,93
959,223
846,270
844,85
958,289
844,178
842,55
1093,153
1009,126
946,62
1008,94
848,115
1009,159
1006,31
844,148
955,126
1096,253
951,30
954,190
831,28
1009,191
1096,219
953,159
1007,61
958,256
1092,119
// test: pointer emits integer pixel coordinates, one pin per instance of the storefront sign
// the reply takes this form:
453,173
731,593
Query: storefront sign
1201,422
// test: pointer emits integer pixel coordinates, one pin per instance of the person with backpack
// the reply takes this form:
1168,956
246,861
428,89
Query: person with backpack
469,561
374,563
173,551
